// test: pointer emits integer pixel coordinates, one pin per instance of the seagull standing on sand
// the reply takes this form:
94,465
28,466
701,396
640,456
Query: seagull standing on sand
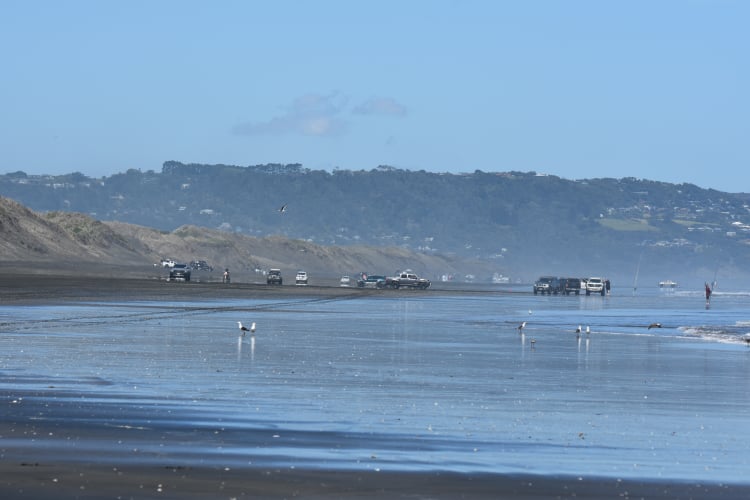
283,208
521,327
588,330
654,325
245,329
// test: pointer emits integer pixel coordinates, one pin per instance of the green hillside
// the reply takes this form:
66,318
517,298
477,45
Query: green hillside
523,223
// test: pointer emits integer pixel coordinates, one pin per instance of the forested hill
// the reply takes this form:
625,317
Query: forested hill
527,223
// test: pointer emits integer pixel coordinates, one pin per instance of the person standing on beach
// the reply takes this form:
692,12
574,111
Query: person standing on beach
708,294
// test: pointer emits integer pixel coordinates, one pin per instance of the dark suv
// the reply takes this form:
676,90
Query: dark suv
201,265
371,281
548,285
179,272
274,277
571,285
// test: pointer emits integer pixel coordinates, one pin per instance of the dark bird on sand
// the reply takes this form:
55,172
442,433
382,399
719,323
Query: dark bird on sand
283,208
521,327
654,325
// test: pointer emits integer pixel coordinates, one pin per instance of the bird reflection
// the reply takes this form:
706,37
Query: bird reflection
240,341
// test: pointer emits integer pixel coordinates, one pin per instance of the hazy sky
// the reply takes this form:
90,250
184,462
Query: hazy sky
653,89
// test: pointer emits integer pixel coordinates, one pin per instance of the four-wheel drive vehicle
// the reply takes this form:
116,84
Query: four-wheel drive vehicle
179,272
274,277
301,278
345,281
595,285
571,285
201,265
548,285
371,281
407,279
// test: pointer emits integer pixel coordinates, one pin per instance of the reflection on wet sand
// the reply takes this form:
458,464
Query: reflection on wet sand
407,384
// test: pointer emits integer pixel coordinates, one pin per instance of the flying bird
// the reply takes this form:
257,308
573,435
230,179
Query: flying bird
283,208
245,329
654,325
521,327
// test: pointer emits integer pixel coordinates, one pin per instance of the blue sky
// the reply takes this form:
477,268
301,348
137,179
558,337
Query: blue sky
579,89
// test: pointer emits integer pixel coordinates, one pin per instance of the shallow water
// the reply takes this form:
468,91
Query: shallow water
423,382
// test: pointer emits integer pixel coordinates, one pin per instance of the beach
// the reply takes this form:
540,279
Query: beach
138,388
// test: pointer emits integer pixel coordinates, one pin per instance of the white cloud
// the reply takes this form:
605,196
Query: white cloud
319,116
311,114
380,106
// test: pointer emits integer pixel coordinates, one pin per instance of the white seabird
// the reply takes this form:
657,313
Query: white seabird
521,327
245,329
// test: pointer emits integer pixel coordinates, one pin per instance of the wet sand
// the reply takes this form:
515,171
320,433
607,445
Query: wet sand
24,288
30,471
61,480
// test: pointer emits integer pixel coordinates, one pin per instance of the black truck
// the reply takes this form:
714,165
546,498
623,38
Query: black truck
571,285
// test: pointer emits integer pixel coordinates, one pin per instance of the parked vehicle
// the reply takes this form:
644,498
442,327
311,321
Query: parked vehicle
571,285
201,265
301,278
548,285
179,272
407,279
595,285
274,277
167,263
345,281
371,281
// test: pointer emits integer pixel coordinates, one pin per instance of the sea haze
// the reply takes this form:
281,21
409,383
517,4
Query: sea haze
418,382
